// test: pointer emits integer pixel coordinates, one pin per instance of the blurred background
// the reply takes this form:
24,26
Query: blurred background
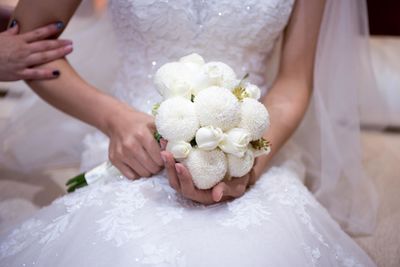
21,194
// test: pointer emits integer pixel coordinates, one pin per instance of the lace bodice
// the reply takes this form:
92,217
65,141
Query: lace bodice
153,32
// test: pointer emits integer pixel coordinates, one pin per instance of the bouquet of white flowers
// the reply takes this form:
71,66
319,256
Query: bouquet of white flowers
213,122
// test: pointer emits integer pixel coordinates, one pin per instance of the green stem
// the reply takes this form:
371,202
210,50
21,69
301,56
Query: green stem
77,179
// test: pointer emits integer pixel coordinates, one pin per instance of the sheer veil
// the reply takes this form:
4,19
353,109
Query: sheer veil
329,135
330,132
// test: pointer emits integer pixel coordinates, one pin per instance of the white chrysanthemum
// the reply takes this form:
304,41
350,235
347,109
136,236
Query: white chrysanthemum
255,118
172,79
176,119
193,58
182,78
239,167
218,107
220,74
206,167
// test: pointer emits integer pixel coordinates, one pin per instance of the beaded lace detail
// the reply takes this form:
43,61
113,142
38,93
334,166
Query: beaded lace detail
151,33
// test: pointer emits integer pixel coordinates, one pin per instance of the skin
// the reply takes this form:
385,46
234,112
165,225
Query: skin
19,53
133,149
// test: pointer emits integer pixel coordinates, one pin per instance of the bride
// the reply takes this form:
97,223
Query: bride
309,58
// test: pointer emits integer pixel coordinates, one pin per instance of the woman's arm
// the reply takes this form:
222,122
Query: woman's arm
19,52
133,149
288,99
287,102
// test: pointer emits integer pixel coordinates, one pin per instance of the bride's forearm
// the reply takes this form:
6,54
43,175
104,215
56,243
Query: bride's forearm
287,103
71,94
288,99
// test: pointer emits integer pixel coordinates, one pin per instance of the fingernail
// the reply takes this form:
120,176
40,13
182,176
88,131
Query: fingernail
60,25
220,196
56,73
68,47
13,23
178,170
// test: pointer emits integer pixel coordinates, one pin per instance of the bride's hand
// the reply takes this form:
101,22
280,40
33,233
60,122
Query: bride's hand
133,148
181,180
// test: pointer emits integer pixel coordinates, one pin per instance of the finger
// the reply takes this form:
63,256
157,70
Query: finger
188,188
185,181
171,172
232,189
136,166
146,161
42,46
163,143
126,170
252,177
38,74
43,32
44,57
11,31
153,149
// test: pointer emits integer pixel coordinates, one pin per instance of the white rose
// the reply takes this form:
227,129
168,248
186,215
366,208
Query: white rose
253,91
206,167
173,79
180,149
193,58
238,167
208,138
220,74
235,142
176,119
218,107
254,118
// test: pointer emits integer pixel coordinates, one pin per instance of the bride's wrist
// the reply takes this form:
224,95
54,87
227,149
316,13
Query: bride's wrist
260,166
112,112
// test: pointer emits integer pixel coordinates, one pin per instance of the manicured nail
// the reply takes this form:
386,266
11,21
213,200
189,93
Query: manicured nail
69,47
220,196
13,23
60,25
56,73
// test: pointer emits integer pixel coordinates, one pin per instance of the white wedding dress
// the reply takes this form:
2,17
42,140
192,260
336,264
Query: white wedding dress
278,222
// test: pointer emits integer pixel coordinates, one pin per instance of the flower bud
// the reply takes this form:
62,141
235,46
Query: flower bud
179,149
208,137
253,91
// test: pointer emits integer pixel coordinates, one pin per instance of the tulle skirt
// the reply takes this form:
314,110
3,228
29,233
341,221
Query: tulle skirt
144,222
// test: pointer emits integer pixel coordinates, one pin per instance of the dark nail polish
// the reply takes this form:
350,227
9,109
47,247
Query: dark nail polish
60,25
56,73
13,23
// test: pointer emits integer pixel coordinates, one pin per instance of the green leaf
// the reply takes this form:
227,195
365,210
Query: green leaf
157,136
